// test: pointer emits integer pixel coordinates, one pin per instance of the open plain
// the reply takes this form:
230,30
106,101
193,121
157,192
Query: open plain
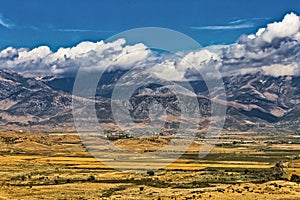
243,165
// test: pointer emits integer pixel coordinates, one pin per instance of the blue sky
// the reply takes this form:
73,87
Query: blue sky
65,23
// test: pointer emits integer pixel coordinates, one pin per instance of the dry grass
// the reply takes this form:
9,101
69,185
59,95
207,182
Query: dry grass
39,166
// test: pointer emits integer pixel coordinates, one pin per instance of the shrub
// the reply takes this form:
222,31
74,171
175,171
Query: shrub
150,172
91,178
295,178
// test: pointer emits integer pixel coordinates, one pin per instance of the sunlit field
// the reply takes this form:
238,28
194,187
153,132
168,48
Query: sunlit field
57,166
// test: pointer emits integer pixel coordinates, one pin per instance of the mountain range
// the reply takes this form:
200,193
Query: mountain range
253,100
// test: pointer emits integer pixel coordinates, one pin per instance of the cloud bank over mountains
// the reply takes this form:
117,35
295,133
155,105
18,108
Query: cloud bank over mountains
89,55
273,50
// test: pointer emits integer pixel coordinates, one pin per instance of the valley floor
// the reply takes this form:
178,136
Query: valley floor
57,166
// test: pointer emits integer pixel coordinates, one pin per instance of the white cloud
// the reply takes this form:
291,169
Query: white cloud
199,57
35,55
168,70
281,70
274,49
251,20
5,22
288,27
192,64
233,25
224,27
92,56
88,55
80,30
8,53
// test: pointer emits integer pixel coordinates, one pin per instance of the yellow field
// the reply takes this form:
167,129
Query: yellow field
58,167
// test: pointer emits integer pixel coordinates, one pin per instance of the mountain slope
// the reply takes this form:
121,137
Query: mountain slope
28,101
252,99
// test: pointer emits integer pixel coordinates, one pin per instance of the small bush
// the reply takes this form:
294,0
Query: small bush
295,178
150,173
91,178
